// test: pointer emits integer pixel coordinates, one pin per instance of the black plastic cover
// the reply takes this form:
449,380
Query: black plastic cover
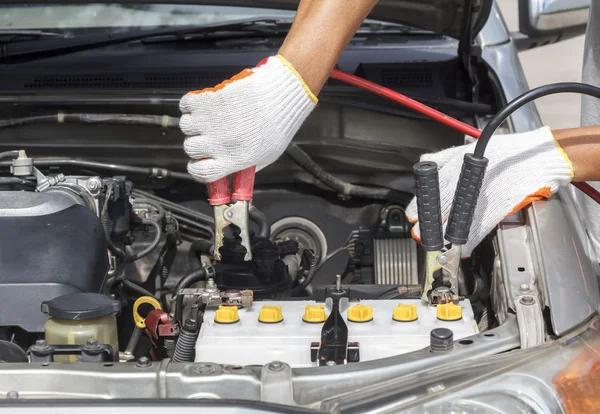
80,306
465,199
49,247
429,208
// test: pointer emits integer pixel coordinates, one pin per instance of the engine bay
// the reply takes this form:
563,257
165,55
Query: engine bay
122,273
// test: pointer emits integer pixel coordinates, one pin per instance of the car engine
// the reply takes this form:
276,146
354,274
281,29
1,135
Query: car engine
95,269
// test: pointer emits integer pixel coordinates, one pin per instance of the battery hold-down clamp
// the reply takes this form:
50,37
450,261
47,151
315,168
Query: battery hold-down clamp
334,348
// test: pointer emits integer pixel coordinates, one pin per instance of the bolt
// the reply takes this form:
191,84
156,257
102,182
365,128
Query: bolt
93,185
330,363
143,362
275,366
12,395
338,283
204,369
527,300
92,343
442,259
524,287
229,214
41,343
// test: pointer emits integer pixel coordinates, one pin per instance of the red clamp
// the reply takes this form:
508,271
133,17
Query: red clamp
232,208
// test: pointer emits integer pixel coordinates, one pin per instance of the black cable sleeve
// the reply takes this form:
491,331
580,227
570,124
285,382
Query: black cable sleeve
137,288
196,248
341,187
153,245
189,279
258,217
527,97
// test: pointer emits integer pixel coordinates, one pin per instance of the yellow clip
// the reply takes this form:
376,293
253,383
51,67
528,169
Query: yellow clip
314,314
405,313
270,314
227,314
360,313
140,322
449,312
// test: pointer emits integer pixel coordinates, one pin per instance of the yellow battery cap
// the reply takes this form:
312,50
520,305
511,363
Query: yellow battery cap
405,313
270,314
227,314
314,314
449,312
360,313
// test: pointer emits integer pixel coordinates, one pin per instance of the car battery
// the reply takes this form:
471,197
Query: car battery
284,330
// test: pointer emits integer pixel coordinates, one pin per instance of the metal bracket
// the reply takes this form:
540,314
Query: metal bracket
530,321
276,383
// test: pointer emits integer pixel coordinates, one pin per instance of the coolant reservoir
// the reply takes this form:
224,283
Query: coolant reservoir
77,317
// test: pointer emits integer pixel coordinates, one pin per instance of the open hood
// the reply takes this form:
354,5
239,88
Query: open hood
454,18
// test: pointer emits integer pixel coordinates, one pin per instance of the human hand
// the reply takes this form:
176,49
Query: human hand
522,168
247,120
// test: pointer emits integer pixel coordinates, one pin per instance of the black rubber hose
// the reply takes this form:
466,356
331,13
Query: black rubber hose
258,217
153,172
153,245
500,117
137,288
341,187
15,180
9,154
312,271
198,247
193,277
164,121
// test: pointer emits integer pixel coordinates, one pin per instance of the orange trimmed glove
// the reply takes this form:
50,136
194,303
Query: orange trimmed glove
522,168
247,120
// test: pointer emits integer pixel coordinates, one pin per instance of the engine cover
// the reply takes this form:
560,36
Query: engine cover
250,342
49,246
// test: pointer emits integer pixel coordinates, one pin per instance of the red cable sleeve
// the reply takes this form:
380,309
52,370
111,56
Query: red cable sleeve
406,101
433,114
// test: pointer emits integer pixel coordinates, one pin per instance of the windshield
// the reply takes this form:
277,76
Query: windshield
67,17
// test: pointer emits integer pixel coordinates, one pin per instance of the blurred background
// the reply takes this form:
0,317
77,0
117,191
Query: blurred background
548,64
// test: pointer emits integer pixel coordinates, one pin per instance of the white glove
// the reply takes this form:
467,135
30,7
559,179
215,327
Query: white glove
247,120
522,168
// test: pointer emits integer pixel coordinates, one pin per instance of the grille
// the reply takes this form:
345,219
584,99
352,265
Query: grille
408,79
182,81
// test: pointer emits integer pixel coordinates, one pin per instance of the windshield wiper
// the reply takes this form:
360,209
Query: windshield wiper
19,52
15,35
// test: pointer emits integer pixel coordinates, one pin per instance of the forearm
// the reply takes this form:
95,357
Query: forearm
321,31
582,146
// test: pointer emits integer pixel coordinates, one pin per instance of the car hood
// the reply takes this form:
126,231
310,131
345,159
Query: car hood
454,18
448,17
